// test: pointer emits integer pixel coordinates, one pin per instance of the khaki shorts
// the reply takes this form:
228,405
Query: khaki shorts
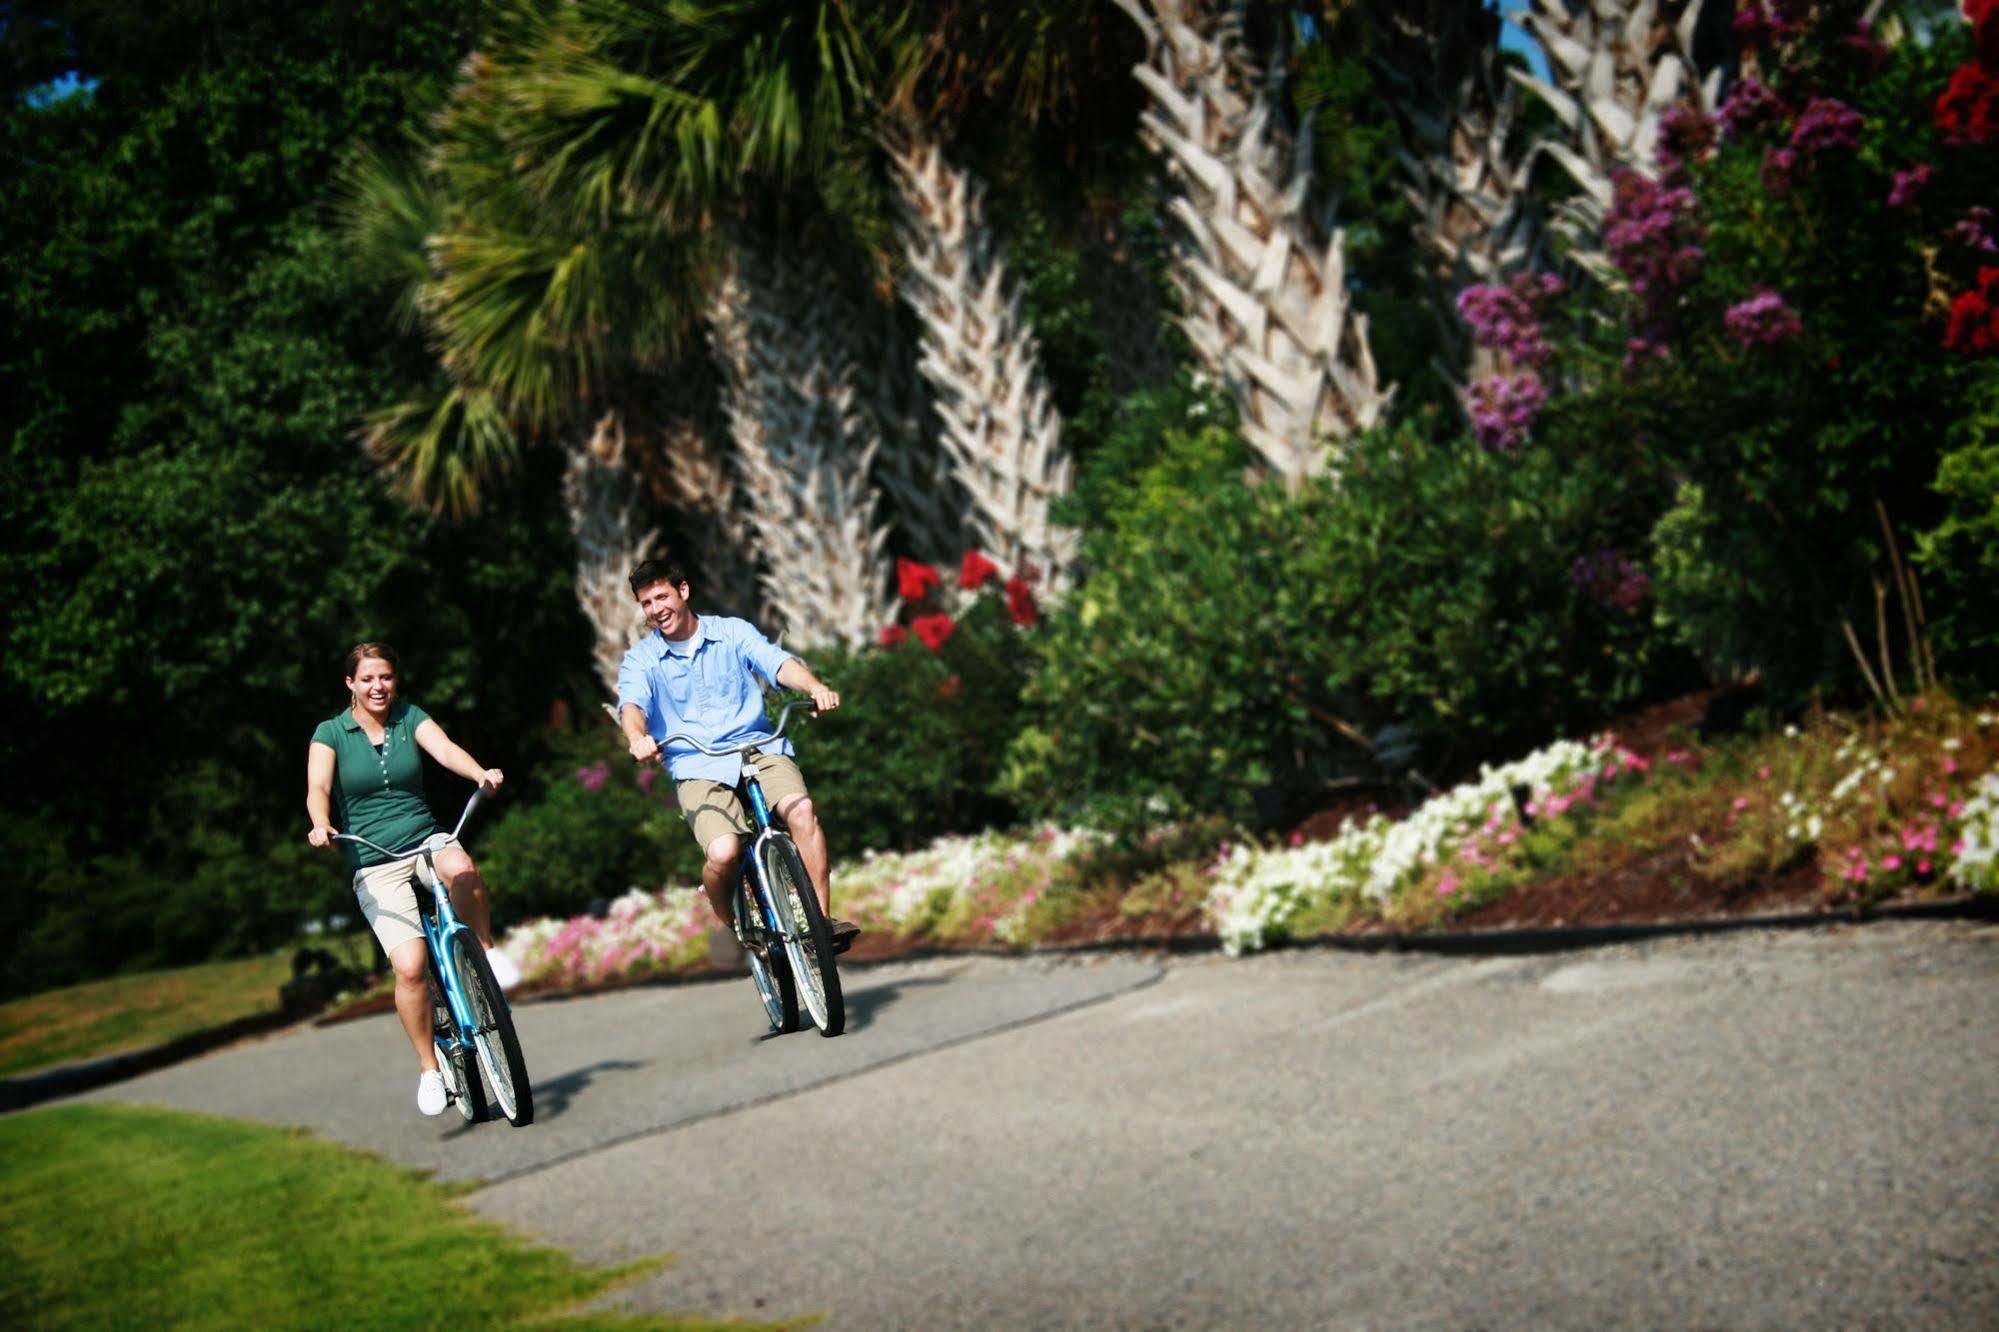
387,893
713,809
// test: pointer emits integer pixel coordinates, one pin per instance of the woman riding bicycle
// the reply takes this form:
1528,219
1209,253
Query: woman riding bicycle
363,760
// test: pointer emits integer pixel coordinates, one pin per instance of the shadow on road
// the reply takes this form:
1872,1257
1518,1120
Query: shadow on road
551,1098
863,1004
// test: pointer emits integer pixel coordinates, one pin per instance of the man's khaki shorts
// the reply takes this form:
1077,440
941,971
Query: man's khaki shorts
713,809
387,894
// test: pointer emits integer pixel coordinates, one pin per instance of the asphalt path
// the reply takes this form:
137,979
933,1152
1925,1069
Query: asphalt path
1754,1130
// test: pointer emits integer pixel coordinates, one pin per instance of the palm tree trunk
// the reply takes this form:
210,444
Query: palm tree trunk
605,501
782,336
983,363
1263,284
1616,66
1464,170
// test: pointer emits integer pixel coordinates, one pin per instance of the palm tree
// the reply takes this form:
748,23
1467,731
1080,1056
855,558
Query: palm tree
1617,65
1262,277
1465,158
516,312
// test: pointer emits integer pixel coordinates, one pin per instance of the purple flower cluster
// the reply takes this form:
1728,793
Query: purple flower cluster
1779,166
1504,409
1685,135
1508,319
1641,351
1757,21
1908,184
1748,107
592,777
1872,53
1975,229
1827,124
1763,320
1650,233
1611,580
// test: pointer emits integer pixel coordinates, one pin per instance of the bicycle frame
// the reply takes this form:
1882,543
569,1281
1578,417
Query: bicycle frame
439,923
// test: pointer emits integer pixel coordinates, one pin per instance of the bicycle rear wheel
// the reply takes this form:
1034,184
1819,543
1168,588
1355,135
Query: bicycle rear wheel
461,1076
808,940
771,974
493,1030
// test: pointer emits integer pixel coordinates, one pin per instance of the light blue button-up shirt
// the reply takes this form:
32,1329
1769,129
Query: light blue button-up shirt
703,687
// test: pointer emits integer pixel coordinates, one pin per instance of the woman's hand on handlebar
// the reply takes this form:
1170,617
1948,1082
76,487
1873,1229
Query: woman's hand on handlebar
489,781
321,835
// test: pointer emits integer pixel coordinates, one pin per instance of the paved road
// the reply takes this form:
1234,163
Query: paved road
1759,1130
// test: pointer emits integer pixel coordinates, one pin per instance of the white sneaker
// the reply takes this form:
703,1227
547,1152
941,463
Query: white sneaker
430,1093
505,970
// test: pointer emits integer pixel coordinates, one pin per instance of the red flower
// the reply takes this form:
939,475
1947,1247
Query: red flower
1974,317
949,689
1984,18
913,580
976,569
1968,110
1020,602
933,630
892,634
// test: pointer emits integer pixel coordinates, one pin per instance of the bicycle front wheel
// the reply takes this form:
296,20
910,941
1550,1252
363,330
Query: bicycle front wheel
493,1030
771,974
454,1061
808,939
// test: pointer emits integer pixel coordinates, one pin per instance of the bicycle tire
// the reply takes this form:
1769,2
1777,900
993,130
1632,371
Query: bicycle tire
808,939
777,989
493,1033
461,1076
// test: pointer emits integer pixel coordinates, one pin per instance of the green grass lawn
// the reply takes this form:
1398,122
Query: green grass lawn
129,1012
118,1216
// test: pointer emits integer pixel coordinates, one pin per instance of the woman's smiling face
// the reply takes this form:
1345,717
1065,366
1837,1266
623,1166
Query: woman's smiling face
373,684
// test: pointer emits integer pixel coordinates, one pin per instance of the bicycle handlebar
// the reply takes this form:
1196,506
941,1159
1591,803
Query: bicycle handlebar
724,751
470,805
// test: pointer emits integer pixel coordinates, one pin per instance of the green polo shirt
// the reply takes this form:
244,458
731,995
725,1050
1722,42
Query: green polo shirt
377,795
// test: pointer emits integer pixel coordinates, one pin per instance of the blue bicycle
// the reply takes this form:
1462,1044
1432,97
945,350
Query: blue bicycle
469,1015
784,930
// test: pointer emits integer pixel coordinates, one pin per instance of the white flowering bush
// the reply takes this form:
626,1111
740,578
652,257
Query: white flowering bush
1977,864
1257,892
985,884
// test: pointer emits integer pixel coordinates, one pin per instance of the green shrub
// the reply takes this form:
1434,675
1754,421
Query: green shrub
1237,647
592,827
917,741
1960,556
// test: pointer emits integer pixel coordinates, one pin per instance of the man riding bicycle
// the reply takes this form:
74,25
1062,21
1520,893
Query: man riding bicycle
697,675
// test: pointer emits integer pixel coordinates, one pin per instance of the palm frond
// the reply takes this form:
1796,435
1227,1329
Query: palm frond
442,446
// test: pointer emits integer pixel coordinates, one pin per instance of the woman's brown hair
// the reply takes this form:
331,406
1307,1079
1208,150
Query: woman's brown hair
360,652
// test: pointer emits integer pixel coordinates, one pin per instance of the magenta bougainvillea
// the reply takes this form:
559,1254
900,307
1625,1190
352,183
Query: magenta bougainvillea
1763,320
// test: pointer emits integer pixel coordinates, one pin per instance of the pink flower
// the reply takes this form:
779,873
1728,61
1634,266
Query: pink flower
592,777
1890,863
1741,802
648,775
1764,773
1448,884
1950,765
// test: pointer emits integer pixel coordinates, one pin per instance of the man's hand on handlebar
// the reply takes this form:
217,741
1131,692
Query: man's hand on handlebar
824,699
645,749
